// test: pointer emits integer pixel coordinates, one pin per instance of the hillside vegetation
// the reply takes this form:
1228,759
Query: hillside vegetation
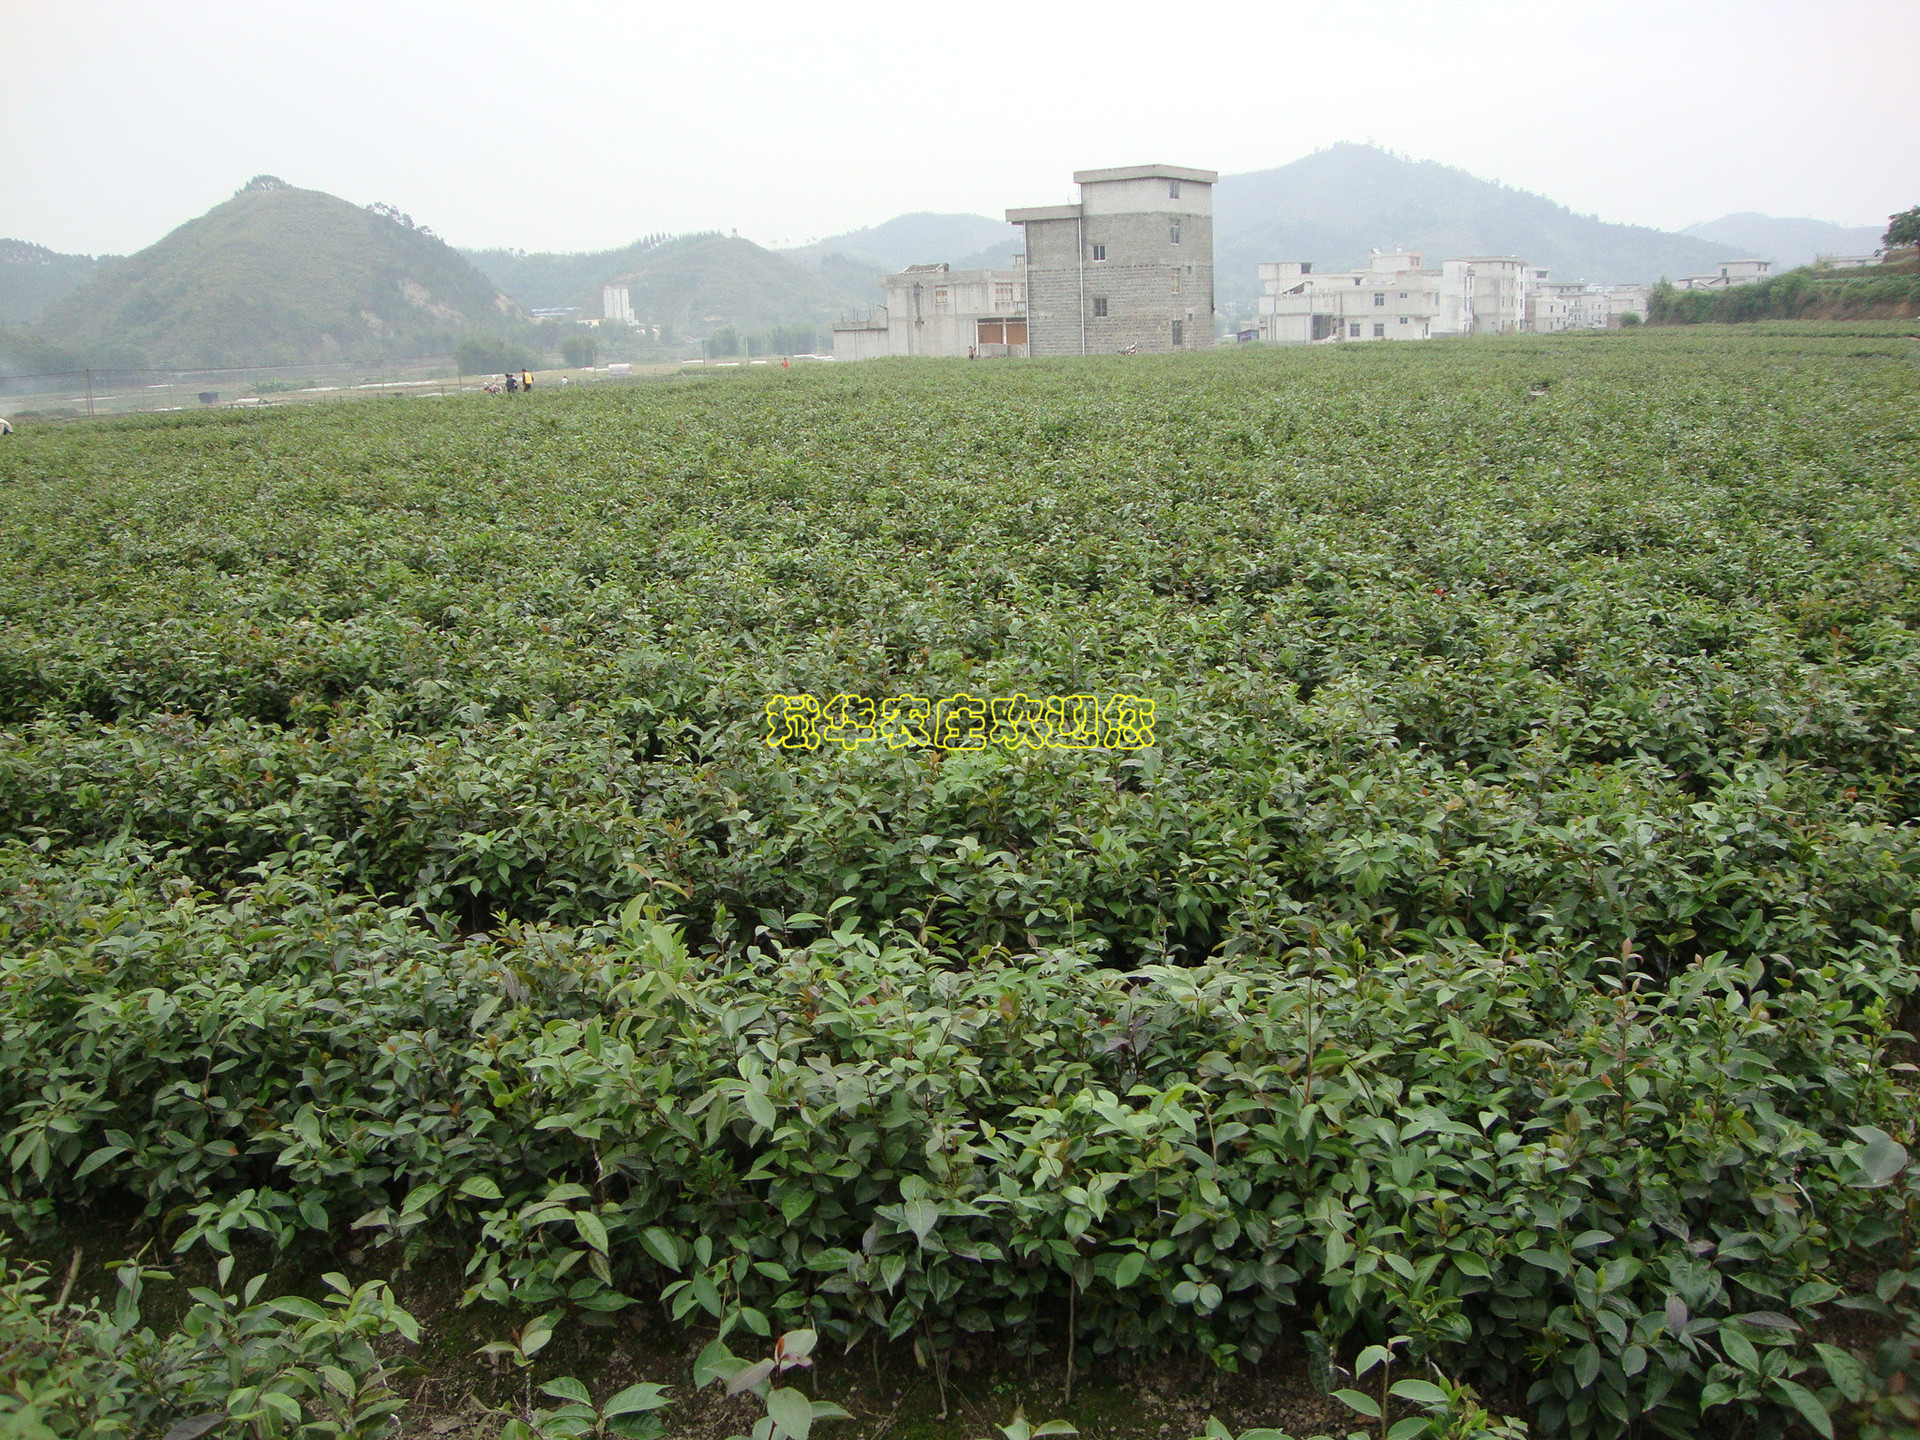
697,283
967,242
32,277
275,276
1499,955
1889,291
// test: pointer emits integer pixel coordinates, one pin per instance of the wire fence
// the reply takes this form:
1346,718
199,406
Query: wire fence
71,394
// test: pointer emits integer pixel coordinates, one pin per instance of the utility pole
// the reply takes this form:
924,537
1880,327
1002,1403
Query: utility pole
89,394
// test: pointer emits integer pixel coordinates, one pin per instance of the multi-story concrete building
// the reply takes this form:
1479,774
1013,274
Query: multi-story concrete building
1130,267
616,303
1394,298
1625,300
1495,289
937,310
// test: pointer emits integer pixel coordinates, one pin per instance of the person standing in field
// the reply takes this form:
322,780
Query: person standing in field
526,381
513,383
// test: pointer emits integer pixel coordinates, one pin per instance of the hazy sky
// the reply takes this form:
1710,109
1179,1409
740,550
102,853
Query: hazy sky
560,124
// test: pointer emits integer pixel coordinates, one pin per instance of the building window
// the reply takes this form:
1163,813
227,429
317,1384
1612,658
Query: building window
1176,282
1379,297
1173,189
1100,306
1403,319
1176,334
1099,252
1353,330
940,295
1403,294
1379,332
1173,231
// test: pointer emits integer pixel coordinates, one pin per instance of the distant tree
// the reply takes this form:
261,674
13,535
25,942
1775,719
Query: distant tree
724,341
1902,229
263,182
577,350
483,355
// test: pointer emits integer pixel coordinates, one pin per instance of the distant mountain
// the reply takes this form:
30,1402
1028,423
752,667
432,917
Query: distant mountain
548,279
695,283
1787,242
966,242
32,277
700,283
279,275
1334,206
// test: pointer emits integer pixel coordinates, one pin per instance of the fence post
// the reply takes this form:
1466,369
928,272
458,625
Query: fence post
89,394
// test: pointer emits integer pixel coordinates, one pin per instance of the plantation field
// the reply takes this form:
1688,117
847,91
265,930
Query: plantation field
1500,959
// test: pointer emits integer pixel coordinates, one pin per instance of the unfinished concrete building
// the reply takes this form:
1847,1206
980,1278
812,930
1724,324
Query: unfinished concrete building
1129,268
937,310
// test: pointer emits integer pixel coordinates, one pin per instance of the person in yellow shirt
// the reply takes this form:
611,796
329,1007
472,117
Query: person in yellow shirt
526,381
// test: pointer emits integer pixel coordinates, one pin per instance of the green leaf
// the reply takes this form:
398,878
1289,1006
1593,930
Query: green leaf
637,1399
1849,1376
1766,1320
1811,1410
795,1346
567,1388
1881,1159
1129,1268
1354,1400
479,1187
761,1110
1547,1260
1410,1427
1420,1392
921,1216
591,1229
539,1331
1586,1365
791,1411
662,1246
1740,1350
1371,1356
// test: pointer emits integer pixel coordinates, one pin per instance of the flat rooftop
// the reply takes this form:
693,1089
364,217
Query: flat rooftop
1146,172
1043,212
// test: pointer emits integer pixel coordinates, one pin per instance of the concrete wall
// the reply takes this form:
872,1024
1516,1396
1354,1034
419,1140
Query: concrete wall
1150,281
934,311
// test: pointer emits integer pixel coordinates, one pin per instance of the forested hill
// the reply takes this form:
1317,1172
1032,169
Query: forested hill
279,275
698,282
32,277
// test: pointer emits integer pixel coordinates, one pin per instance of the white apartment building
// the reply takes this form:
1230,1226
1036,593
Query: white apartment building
1398,298
1394,298
615,304
937,310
